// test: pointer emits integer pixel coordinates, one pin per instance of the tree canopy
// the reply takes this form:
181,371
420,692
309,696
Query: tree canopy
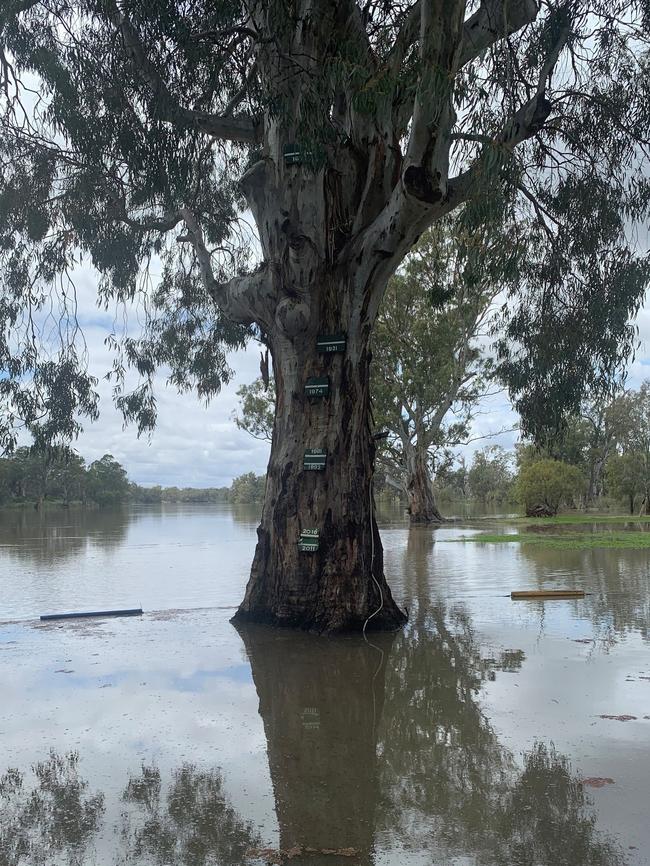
125,130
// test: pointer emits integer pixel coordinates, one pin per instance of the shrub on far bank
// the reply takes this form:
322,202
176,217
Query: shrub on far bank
544,485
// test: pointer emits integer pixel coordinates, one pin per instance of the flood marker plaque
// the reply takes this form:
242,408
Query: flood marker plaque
331,343
314,459
308,542
317,386
293,155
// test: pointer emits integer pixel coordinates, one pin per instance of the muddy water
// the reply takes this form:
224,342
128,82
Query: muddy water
174,739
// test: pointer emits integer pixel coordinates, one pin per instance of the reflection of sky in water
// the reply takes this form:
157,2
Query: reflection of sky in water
177,688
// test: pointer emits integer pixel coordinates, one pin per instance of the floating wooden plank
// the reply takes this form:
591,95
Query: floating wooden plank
308,542
317,386
134,611
314,459
548,593
331,343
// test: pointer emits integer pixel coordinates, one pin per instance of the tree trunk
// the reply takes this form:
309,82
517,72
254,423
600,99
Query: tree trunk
340,586
421,502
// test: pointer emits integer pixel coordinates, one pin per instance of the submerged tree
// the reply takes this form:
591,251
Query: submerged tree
428,372
351,129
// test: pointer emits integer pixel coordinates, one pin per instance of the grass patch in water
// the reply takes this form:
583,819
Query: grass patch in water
567,541
575,519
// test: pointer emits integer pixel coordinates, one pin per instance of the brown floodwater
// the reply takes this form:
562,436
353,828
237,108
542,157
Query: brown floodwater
477,736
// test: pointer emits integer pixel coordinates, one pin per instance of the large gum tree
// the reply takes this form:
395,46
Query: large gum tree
333,133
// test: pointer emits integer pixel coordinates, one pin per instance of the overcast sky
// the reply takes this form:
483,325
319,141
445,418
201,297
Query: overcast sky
198,446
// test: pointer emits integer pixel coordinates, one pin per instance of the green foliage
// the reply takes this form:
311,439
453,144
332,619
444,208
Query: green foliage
257,409
588,440
452,480
490,475
196,495
628,476
59,475
121,141
427,372
247,489
107,481
543,485
628,468
95,171
36,473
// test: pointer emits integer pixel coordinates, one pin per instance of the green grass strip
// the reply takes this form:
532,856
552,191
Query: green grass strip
567,541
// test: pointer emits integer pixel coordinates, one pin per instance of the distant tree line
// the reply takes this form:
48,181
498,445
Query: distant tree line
601,456
34,476
59,474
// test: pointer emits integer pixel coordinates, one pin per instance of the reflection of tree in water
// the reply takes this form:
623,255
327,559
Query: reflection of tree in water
545,820
57,534
320,701
447,784
393,745
368,746
441,761
246,514
55,816
193,825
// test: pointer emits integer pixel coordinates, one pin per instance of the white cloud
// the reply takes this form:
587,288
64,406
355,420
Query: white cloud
193,444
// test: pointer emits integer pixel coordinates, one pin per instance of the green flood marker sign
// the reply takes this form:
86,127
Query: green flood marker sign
314,459
292,154
331,343
317,386
308,542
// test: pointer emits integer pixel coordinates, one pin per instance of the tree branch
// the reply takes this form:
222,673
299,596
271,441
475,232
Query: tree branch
441,23
355,26
167,107
492,21
164,223
243,299
526,122
406,36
